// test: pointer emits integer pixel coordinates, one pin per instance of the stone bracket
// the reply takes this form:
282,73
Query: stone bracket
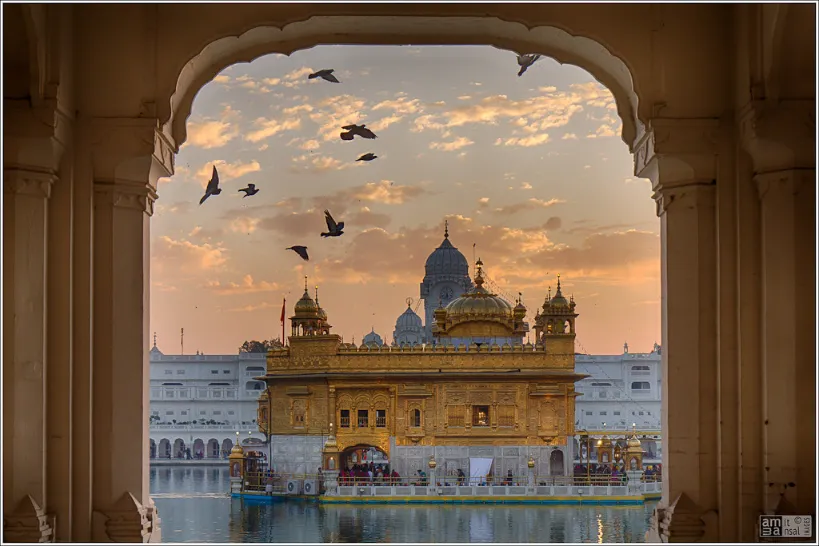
779,136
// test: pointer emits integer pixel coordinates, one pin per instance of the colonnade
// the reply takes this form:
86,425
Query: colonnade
735,194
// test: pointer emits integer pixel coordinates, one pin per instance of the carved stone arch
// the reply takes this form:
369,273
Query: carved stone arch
380,401
362,401
247,41
344,401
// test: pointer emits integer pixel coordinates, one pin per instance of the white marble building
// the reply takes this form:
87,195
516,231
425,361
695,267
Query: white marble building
199,402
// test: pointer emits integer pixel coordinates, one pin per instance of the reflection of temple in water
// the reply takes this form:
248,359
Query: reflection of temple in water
502,402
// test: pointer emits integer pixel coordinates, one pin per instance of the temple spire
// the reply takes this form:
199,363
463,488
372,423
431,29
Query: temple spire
305,284
446,229
154,340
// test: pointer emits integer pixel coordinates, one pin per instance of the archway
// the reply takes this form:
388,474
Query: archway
213,449
164,448
556,463
229,49
198,449
363,454
152,449
179,449
227,445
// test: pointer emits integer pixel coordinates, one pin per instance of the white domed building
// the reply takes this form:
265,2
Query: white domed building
446,278
409,329
372,340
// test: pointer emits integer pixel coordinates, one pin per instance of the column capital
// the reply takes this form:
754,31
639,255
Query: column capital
779,136
127,195
679,157
129,150
28,182
791,180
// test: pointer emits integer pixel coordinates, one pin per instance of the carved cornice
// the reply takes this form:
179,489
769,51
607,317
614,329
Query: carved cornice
35,137
678,151
128,196
26,182
129,150
779,136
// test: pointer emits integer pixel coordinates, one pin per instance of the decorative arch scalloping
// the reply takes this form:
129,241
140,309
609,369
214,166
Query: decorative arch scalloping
245,46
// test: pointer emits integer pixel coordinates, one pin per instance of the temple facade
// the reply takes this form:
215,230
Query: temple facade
508,403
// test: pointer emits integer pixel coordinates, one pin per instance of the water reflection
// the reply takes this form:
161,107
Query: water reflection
195,507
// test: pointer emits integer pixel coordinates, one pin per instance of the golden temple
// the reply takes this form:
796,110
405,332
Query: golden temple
510,403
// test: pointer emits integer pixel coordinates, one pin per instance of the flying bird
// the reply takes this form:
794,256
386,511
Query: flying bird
357,130
249,190
326,74
525,61
301,251
334,229
213,186
367,157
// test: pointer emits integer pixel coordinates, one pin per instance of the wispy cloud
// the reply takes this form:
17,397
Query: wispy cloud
214,133
456,144
247,286
227,171
530,204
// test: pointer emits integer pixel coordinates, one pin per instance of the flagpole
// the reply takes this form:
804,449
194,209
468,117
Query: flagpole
284,306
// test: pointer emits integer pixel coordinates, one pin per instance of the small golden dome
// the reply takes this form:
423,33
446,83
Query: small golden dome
559,300
237,450
530,463
634,442
432,463
605,441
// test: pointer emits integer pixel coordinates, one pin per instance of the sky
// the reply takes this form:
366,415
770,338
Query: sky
530,169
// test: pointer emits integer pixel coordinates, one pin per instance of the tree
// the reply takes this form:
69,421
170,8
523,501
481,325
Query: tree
254,346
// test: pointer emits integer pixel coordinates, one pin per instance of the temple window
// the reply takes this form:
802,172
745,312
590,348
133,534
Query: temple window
299,413
480,416
416,418
455,416
506,416
363,418
640,386
345,418
381,418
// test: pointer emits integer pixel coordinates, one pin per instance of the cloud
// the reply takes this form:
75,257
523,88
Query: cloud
227,171
530,204
457,144
569,136
318,164
202,234
605,254
266,128
247,286
214,133
332,113
526,186
299,217
185,254
244,224
254,307
222,78
553,223
162,287
525,142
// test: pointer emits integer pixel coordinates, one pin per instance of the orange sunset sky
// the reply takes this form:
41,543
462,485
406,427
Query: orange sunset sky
531,170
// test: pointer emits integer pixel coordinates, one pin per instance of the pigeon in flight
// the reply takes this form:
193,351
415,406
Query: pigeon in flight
334,229
525,61
360,130
326,74
249,190
213,186
367,157
301,251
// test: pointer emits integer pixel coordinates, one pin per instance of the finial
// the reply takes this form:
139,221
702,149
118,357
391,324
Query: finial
409,302
446,229
155,340
305,283
558,284
479,273
316,294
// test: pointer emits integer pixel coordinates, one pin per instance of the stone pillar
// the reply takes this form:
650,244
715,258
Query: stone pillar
25,212
635,482
679,157
125,175
782,142
33,144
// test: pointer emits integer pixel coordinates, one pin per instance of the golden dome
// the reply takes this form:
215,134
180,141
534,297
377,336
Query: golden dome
633,441
479,304
306,307
559,300
237,449
605,441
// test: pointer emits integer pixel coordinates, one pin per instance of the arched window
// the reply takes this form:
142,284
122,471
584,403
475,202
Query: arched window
640,386
416,418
